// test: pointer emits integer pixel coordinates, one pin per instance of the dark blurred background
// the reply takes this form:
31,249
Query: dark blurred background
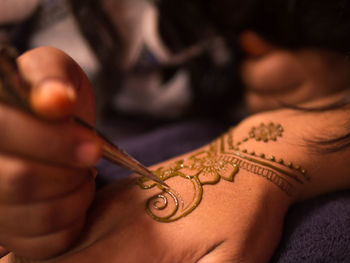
160,61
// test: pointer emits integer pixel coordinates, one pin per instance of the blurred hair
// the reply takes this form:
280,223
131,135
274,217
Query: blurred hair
288,23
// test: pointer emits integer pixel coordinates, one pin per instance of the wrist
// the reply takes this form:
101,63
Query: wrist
218,172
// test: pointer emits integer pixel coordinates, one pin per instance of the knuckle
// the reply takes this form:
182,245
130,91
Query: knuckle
15,176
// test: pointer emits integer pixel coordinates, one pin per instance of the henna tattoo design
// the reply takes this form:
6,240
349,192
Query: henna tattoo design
222,160
265,133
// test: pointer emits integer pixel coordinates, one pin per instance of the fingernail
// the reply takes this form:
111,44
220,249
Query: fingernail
55,87
53,98
88,153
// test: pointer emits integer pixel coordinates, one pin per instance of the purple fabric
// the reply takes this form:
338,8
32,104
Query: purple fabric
317,230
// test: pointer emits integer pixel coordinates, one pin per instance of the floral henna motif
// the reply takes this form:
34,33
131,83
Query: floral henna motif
200,169
221,160
266,132
209,167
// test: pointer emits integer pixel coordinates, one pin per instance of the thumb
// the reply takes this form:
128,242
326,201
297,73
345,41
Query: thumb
53,98
58,86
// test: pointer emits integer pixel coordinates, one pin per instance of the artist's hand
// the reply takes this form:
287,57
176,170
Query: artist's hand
46,178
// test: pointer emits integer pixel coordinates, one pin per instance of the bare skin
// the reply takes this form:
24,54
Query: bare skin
238,220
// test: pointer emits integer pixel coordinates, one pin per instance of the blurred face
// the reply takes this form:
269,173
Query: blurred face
271,74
